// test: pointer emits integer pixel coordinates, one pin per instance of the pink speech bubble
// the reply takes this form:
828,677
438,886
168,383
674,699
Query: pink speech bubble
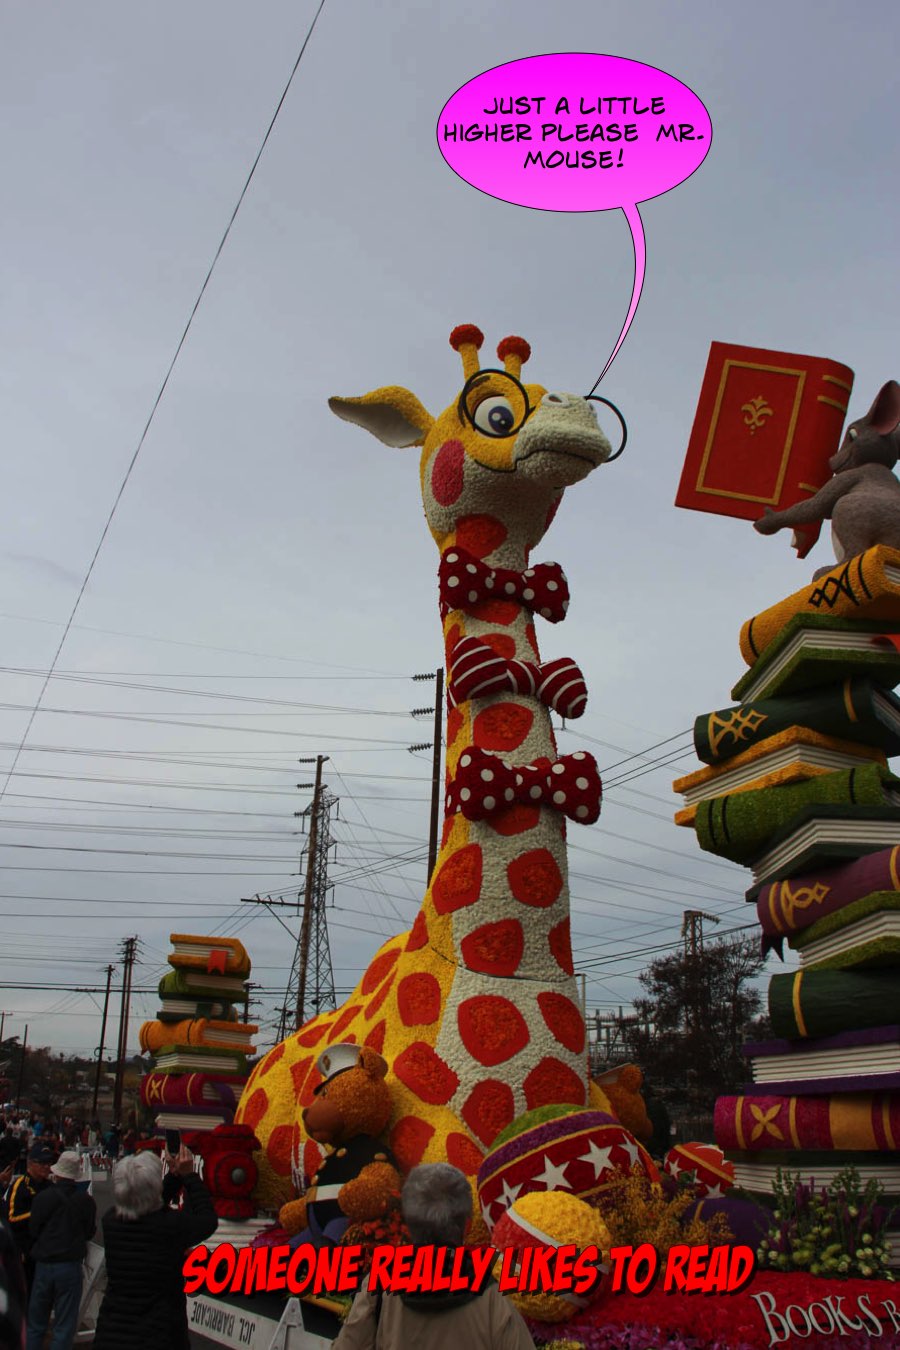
577,131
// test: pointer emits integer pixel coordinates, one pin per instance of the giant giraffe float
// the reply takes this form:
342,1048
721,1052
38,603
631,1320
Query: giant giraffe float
475,1009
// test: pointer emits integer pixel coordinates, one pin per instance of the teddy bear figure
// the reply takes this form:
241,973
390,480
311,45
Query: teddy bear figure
358,1176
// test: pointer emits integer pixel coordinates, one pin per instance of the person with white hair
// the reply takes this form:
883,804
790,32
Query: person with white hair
437,1207
62,1222
144,1307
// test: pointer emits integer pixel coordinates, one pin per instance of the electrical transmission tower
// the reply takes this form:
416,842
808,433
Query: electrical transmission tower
310,988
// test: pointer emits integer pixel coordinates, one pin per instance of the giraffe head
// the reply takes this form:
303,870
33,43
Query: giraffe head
502,449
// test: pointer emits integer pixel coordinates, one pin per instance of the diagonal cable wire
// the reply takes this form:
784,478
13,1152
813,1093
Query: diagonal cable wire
157,401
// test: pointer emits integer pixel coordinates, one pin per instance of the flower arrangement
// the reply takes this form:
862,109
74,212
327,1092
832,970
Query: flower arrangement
637,1210
836,1232
389,1230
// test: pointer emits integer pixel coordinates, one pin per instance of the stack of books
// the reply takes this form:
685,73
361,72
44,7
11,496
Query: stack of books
199,1045
796,787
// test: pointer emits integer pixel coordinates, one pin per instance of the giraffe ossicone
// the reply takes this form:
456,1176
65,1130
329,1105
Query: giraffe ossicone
476,1009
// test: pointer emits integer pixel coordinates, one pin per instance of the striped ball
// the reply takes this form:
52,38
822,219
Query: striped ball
713,1173
554,1220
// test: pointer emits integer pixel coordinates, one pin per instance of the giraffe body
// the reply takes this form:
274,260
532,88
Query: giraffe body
476,1008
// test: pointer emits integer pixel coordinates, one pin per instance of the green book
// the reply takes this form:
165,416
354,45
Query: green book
814,1003
741,825
816,649
199,985
854,710
864,933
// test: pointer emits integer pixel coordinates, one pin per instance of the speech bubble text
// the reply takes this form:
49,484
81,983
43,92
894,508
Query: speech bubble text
577,131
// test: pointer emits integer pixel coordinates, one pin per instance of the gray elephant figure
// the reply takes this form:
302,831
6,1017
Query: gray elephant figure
862,499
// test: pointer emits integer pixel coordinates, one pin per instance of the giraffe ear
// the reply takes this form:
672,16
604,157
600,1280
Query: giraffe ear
392,414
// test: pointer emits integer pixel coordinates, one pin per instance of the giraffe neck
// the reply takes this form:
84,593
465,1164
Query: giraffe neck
521,909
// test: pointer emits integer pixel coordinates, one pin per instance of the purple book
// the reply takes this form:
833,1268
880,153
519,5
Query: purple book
851,1061
787,907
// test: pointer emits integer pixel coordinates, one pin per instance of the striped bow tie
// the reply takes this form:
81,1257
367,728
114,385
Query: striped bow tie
477,671
484,785
465,580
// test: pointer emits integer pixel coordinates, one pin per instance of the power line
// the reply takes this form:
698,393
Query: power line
156,403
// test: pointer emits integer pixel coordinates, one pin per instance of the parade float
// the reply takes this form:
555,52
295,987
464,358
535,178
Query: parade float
465,1039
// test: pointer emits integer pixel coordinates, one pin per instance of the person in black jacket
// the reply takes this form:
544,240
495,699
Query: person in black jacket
21,1197
63,1219
144,1307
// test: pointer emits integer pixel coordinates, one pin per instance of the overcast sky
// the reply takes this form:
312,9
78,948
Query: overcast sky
260,546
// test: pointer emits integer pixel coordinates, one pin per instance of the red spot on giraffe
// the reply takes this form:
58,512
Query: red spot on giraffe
515,820
447,830
535,879
480,534
447,473
455,723
311,1035
504,612
503,726
271,1060
531,638
418,999
494,948
501,644
422,1070
375,1038
378,969
418,934
563,1019
299,1075
256,1108
560,942
491,1028
280,1148
343,1022
462,1153
489,1108
552,1083
409,1140
313,1154
373,1006
458,882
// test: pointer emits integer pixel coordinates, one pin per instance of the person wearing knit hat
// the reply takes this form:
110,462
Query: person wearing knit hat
63,1219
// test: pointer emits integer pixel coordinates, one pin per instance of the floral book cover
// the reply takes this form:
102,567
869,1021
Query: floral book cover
766,425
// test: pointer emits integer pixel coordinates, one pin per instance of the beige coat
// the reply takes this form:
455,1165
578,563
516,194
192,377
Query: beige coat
489,1322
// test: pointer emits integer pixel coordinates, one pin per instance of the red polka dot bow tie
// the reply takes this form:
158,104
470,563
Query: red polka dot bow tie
477,671
484,785
465,580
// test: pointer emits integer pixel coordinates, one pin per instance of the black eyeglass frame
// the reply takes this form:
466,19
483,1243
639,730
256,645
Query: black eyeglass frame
466,415
595,398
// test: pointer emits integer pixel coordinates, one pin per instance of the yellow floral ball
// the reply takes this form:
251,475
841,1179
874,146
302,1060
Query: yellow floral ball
552,1219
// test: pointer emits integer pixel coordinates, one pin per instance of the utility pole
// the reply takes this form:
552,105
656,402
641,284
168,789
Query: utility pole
109,975
2,1025
129,948
306,926
22,1067
438,677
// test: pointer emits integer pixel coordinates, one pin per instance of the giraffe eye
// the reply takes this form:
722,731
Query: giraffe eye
494,416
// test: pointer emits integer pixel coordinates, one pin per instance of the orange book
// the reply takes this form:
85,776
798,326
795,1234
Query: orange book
866,587
766,425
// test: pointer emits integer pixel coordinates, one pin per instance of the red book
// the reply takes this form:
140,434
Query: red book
766,425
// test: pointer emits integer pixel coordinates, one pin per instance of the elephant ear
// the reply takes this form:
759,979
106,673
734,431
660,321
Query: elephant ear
393,415
372,1063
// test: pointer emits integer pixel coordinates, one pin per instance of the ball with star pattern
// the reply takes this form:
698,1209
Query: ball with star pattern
581,1153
